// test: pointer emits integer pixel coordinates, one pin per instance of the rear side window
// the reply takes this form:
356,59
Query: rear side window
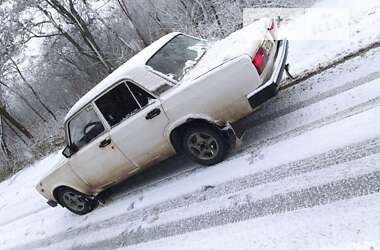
85,127
118,104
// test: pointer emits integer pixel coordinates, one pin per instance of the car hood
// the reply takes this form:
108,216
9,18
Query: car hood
242,42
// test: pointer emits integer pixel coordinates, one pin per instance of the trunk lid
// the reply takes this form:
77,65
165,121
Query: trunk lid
245,41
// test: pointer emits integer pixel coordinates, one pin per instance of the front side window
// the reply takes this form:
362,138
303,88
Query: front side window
85,127
178,56
142,97
118,104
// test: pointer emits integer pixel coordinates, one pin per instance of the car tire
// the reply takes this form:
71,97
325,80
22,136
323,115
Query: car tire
75,201
205,145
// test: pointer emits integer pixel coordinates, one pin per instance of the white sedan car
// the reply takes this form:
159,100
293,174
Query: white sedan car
179,95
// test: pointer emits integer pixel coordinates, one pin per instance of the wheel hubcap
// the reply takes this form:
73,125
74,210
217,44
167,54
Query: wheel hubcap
74,201
203,145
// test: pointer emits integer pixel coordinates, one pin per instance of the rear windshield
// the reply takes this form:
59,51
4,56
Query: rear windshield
178,56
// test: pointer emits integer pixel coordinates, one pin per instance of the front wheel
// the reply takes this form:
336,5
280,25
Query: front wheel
75,201
205,145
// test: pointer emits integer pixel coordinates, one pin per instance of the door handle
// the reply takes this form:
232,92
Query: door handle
153,113
105,143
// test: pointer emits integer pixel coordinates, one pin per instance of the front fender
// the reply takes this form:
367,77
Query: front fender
62,176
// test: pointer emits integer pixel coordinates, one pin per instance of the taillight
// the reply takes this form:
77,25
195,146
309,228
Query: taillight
260,60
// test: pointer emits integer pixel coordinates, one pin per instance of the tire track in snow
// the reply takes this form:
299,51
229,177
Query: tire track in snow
255,148
32,212
277,204
314,163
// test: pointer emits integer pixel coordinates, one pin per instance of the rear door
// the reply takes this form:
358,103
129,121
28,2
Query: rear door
138,134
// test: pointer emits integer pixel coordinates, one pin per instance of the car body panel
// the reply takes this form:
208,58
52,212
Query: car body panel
226,96
102,171
61,175
140,146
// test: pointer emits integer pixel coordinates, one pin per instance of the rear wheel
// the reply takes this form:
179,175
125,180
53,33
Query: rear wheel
205,145
75,201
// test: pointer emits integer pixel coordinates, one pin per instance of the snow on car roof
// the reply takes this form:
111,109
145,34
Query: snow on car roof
125,71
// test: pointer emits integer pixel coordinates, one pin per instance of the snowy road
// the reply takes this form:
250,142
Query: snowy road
307,177
315,147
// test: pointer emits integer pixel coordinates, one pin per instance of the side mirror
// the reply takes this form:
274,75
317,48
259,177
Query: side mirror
69,151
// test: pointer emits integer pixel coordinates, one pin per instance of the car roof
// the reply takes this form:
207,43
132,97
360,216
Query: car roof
128,69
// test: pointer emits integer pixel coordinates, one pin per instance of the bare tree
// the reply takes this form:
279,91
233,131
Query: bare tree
32,89
116,34
124,8
71,15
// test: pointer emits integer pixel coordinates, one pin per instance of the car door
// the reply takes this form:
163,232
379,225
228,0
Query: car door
140,134
98,161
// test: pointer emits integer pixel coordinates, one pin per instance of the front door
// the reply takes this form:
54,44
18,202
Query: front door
98,161
138,124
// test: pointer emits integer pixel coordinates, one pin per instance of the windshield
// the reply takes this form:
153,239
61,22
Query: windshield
178,56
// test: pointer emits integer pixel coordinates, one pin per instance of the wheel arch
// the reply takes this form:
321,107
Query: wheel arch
178,128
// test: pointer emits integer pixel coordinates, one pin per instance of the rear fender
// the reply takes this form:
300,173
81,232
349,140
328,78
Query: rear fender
227,129
191,117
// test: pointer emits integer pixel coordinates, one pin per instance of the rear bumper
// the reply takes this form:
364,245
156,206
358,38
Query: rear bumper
270,88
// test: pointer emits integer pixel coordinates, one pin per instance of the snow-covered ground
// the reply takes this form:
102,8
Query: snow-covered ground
341,225
364,18
308,176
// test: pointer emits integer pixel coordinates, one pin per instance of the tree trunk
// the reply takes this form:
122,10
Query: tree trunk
3,143
33,91
15,123
72,16
125,10
25,101
215,14
122,40
15,132
66,35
